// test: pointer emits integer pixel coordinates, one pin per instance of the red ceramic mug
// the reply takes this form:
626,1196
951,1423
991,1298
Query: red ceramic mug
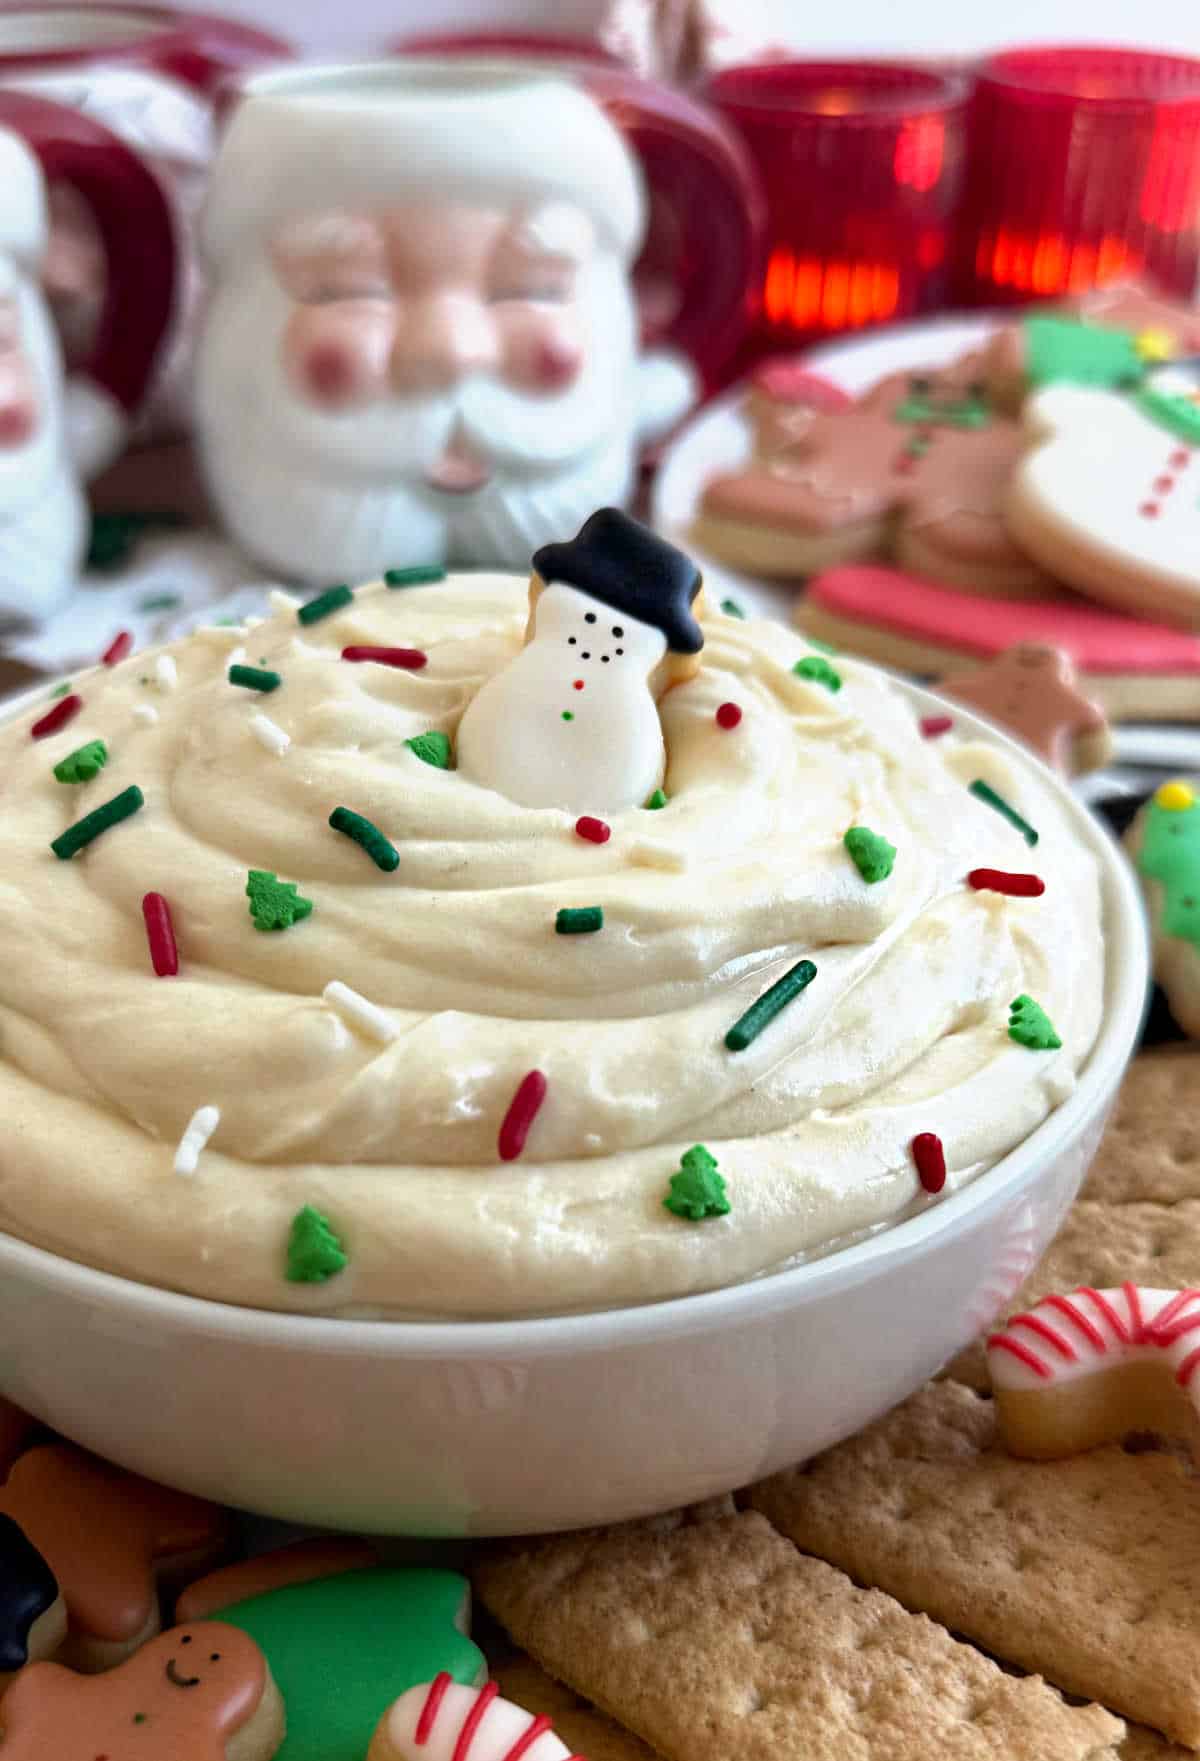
701,260
137,237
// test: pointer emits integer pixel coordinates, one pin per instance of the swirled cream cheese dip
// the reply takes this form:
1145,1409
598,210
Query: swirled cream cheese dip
354,1166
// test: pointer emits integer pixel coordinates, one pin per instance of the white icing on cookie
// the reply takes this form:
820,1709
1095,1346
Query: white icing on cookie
1066,1338
444,1721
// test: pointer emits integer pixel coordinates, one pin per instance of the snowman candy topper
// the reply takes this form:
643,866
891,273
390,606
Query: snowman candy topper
572,722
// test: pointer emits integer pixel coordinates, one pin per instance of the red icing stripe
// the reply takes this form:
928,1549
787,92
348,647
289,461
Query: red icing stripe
431,1708
1002,1342
1089,1329
1163,1322
522,1111
413,659
1135,1310
1108,1311
997,880
117,649
1176,1331
65,710
1183,1374
466,1735
523,1744
1045,1331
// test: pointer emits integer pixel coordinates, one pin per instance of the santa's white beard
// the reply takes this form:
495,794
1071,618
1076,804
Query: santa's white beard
43,516
319,497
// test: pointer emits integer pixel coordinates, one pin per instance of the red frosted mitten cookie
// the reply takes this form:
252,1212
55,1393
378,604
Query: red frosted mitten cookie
196,1693
105,1535
916,470
1032,690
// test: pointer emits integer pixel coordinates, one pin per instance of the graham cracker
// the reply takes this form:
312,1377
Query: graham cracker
1085,1570
1151,1149
1104,1244
579,1725
1143,1745
718,1639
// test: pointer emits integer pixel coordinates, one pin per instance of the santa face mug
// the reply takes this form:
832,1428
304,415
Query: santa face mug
421,344
43,517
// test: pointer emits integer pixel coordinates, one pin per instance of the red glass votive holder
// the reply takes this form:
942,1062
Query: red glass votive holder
1083,169
862,164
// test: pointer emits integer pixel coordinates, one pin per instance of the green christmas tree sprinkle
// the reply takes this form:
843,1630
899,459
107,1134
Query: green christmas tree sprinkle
697,1191
431,748
83,764
314,1252
816,668
871,853
1029,1025
657,800
274,904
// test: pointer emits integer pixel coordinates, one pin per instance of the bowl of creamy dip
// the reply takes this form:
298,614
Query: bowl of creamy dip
294,1226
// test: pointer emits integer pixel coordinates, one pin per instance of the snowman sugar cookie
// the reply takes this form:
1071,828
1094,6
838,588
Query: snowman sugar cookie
572,721
1108,496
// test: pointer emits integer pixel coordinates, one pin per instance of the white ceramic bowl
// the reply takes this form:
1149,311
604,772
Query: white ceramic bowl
475,1428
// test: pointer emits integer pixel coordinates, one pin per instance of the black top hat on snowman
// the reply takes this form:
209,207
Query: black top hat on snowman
623,565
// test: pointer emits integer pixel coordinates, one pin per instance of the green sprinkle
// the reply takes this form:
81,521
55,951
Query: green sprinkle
657,800
431,748
984,792
582,921
818,669
159,602
60,690
274,904
77,836
568,715
226,623
760,1014
1029,1025
83,764
414,577
255,678
382,854
314,1252
732,609
697,1191
324,605
871,853
823,647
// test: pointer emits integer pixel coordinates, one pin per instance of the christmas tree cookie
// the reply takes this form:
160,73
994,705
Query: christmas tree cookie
1164,841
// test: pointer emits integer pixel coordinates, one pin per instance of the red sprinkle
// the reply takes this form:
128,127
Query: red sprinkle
412,659
118,648
594,830
65,710
429,1712
160,933
933,725
1017,886
728,716
930,1157
522,1111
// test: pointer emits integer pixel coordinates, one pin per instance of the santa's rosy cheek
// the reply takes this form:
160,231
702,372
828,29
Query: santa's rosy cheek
544,355
336,357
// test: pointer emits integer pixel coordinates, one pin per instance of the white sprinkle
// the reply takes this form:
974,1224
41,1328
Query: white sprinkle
270,734
166,672
145,712
279,601
360,1013
204,1122
650,853
236,657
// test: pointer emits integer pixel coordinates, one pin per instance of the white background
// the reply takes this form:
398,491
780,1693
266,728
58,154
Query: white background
939,27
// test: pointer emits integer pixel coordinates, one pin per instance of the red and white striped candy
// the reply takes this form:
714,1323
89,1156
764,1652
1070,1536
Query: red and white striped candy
443,1721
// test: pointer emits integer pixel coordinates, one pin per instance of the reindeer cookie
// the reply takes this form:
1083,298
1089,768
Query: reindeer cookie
106,1535
443,1721
1088,1368
1032,690
196,1693
915,471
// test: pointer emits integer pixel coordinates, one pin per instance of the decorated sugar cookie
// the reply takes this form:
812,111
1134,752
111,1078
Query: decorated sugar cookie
572,721
33,1615
343,1646
1108,496
1109,337
105,1535
1164,841
1089,1368
1032,689
914,471
443,1721
196,1693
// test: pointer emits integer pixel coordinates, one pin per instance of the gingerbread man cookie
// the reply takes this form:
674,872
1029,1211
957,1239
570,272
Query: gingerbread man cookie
443,1721
783,398
1032,690
344,1644
916,470
1089,1368
196,1693
1108,495
33,1615
105,1535
1164,841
